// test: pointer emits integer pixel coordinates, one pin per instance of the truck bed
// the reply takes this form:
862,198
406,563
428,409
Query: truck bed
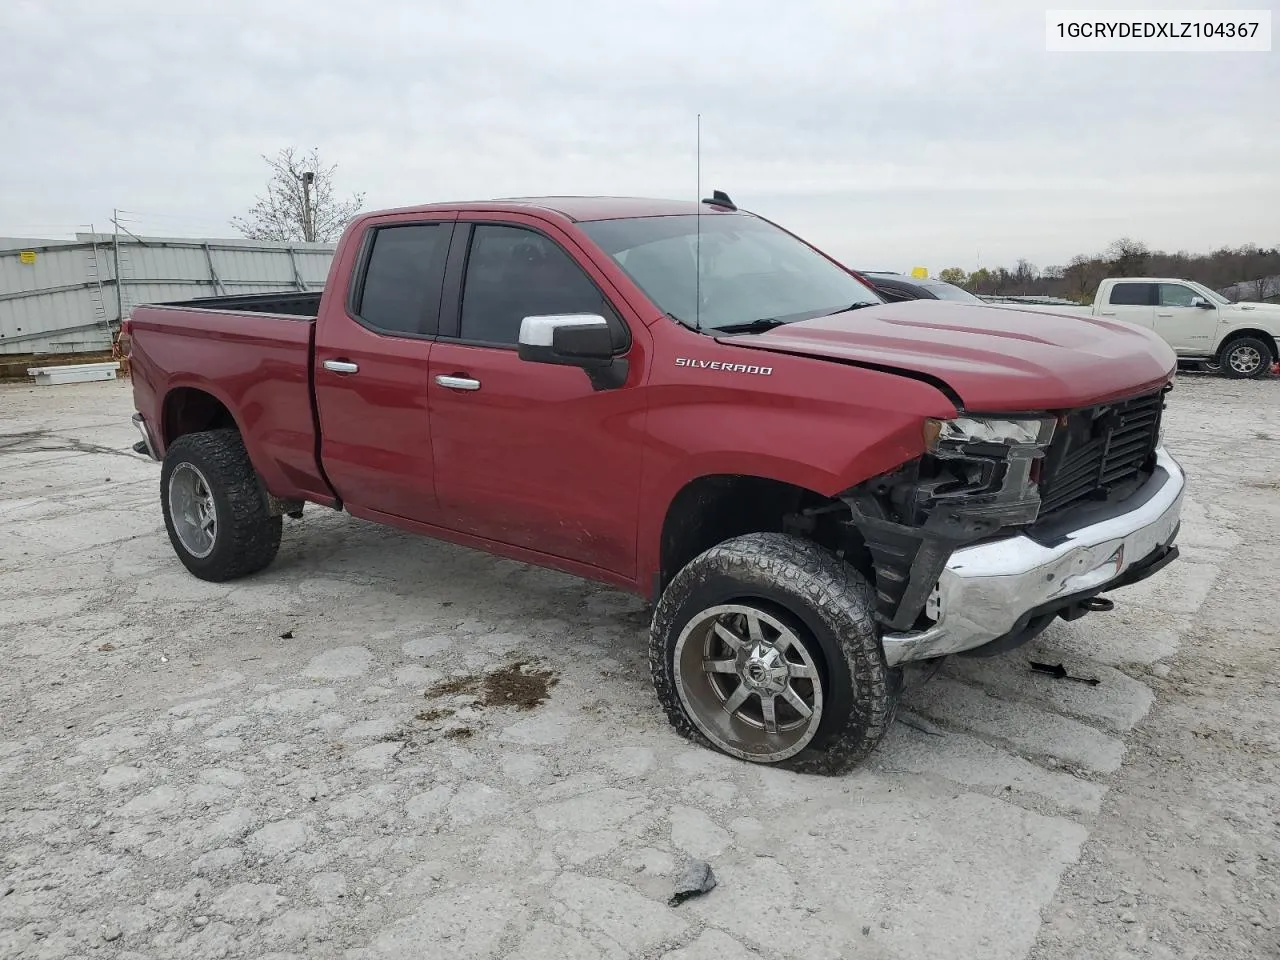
281,304
211,360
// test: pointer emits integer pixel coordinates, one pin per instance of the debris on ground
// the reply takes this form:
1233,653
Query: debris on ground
1059,672
697,879
427,716
919,723
287,635
515,685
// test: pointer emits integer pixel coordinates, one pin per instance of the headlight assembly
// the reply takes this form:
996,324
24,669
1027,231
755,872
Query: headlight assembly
941,435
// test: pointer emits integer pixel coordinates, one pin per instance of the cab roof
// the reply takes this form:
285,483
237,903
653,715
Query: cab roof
579,209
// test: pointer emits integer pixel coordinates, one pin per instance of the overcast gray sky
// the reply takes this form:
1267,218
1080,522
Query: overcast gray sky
890,133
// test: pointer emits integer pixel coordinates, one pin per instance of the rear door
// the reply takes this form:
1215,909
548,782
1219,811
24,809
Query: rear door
1132,302
1186,327
529,454
372,354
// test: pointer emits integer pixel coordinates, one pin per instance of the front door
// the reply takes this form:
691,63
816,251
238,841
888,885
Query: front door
371,365
529,454
1186,328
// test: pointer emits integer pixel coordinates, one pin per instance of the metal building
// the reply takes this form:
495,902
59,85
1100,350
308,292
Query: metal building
67,296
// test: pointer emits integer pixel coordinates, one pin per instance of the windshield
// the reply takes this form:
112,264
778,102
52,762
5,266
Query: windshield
750,269
1213,295
948,291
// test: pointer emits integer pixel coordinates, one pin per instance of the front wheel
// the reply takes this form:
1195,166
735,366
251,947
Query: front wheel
214,508
1246,358
765,647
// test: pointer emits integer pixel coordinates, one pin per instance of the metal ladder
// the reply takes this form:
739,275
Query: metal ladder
127,299
93,273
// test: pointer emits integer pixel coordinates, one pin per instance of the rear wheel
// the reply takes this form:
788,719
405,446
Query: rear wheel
1246,358
214,507
765,647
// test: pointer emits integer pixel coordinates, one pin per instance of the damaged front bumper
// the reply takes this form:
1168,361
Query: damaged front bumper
993,593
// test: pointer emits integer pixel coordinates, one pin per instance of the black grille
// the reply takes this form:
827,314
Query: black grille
1099,449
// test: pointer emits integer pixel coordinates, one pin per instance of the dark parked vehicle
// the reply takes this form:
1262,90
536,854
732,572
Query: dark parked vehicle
896,286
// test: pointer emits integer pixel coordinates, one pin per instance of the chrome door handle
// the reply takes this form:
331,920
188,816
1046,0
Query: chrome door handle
1107,313
458,383
341,366
1164,314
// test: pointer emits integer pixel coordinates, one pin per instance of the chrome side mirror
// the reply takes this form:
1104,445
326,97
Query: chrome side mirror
574,340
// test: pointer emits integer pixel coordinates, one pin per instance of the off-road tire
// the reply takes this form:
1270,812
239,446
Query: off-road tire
1264,353
248,536
813,589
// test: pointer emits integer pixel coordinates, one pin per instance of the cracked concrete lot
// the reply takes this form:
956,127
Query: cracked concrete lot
308,763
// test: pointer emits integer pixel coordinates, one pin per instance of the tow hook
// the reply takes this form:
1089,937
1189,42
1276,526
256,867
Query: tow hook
1088,605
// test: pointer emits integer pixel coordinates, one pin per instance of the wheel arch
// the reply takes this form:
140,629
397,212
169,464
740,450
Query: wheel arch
193,409
1254,332
711,508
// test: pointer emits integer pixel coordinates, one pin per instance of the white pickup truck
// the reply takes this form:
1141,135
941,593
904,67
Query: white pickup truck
1240,339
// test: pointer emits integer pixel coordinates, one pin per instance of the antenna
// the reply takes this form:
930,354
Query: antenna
697,275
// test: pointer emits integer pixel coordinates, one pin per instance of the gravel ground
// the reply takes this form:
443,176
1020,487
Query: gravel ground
389,747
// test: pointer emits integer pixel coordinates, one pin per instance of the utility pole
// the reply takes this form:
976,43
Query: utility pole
308,225
115,257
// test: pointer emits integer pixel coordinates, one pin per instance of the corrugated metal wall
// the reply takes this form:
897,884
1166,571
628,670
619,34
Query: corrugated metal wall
62,296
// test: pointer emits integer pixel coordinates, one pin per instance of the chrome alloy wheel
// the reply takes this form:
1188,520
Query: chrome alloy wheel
748,682
1245,359
195,516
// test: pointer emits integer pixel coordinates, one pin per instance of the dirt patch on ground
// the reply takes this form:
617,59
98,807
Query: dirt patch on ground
519,684
436,713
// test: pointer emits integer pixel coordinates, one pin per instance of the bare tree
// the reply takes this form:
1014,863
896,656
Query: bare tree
1081,276
980,281
1128,257
1025,276
1248,271
300,202
1255,264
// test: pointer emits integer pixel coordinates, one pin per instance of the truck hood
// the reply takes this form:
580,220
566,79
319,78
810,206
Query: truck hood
993,360
1260,313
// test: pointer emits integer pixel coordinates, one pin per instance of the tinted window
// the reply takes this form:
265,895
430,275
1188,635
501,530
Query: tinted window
1131,295
1175,295
948,291
895,293
401,292
513,273
726,268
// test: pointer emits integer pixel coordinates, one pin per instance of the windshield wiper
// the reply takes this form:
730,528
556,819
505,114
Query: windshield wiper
695,327
752,326
768,323
852,306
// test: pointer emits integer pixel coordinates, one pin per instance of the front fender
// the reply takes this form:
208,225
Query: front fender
825,453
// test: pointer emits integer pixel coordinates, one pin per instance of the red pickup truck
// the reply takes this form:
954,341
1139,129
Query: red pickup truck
814,488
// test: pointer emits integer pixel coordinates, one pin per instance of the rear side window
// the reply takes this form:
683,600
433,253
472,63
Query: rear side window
1132,295
400,291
